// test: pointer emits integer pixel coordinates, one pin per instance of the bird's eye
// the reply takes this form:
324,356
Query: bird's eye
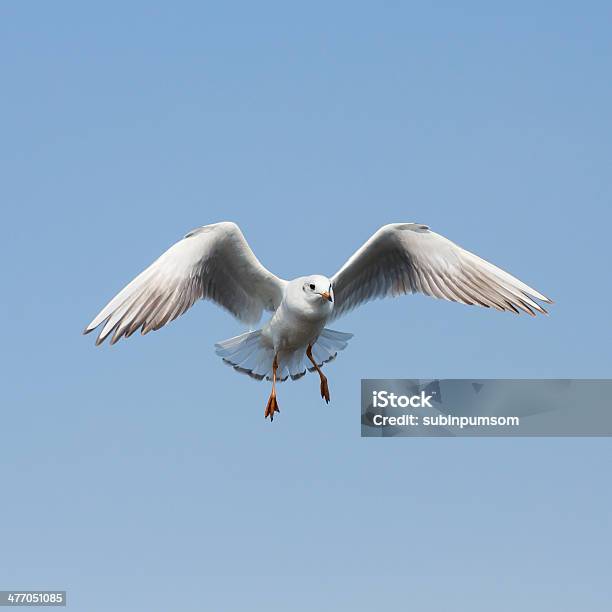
311,286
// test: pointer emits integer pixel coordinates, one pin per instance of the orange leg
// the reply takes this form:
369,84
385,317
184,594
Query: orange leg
324,386
272,406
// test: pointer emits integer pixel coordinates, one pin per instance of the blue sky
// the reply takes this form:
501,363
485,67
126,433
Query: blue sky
143,477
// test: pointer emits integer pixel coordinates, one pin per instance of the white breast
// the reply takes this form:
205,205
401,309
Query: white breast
297,321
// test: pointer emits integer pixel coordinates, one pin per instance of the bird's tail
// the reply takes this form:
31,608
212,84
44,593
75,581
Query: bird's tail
249,355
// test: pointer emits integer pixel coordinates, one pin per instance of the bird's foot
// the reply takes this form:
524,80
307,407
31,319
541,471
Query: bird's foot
271,407
324,389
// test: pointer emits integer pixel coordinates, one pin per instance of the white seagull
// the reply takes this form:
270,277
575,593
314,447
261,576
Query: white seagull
215,262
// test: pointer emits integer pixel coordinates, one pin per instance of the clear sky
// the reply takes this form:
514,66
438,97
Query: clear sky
143,477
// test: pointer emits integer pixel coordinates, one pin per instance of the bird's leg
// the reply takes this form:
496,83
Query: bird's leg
272,406
324,386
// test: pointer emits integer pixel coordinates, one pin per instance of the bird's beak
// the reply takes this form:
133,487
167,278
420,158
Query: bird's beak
326,295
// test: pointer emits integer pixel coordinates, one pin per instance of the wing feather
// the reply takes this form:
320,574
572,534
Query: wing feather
213,262
405,258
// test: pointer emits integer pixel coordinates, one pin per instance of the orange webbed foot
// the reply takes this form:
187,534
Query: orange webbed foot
271,407
324,389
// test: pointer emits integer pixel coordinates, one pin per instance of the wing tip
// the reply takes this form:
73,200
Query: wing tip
537,306
89,329
101,336
538,296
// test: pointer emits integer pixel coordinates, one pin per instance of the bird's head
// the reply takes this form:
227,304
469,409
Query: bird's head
318,288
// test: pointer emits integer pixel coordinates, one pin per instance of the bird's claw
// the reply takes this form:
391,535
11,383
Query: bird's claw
324,390
271,407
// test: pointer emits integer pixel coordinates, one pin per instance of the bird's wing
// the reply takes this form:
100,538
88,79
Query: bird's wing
409,258
212,262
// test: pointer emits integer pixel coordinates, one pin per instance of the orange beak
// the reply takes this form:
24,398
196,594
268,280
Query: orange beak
326,295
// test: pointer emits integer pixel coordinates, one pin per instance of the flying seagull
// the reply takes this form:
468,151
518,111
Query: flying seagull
215,262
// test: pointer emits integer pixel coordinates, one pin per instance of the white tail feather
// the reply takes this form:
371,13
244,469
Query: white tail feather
249,355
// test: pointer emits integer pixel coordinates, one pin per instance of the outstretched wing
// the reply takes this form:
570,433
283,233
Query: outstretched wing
212,262
409,258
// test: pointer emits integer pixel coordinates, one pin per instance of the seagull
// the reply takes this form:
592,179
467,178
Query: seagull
215,262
